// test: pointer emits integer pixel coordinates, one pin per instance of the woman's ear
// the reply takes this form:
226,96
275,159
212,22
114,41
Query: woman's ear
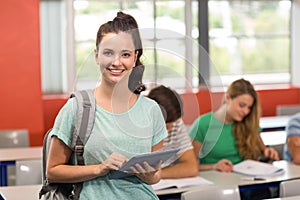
96,56
227,98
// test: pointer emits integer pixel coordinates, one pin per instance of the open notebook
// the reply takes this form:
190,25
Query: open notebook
181,183
256,168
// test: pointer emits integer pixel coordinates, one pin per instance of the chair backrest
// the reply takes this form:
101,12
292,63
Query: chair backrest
28,172
276,140
289,188
14,138
280,150
287,109
213,193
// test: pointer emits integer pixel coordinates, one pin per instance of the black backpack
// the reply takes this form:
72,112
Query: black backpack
85,118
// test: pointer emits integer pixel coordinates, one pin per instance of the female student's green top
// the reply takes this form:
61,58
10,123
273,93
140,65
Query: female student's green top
217,140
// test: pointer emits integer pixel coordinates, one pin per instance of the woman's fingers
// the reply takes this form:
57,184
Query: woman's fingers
144,168
115,161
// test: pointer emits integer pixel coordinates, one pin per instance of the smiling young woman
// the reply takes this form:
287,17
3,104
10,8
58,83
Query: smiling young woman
126,123
231,133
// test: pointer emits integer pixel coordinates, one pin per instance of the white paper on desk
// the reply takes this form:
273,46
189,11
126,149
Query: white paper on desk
256,168
181,183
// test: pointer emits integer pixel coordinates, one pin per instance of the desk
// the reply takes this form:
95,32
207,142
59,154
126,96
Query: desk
287,198
274,122
222,179
29,192
273,137
25,153
292,171
8,156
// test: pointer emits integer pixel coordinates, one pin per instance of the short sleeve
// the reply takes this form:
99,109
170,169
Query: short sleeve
293,127
65,122
194,131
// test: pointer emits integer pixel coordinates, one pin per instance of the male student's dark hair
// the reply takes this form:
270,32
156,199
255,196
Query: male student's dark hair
169,101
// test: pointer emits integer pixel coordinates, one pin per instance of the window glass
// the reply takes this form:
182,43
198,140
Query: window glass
163,31
250,39
246,38
53,46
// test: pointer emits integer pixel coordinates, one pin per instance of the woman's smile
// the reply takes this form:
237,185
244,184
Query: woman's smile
115,71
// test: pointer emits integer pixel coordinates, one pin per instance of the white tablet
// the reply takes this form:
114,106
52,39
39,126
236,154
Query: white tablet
151,158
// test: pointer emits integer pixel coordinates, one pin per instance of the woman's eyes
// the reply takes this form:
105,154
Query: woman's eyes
110,53
126,55
242,105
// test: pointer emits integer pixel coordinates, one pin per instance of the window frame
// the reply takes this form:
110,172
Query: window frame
65,70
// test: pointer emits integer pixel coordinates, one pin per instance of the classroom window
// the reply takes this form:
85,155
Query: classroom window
53,48
245,38
163,30
250,39
57,52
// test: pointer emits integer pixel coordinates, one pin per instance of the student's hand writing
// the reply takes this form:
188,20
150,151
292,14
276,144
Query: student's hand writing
271,153
223,166
147,173
113,162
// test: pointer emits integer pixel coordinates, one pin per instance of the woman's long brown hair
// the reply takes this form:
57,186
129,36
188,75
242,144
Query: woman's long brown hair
246,132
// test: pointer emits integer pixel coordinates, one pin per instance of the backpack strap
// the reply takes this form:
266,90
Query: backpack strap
84,122
86,108
46,145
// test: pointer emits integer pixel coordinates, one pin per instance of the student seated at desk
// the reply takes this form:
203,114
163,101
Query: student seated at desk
292,146
231,134
172,108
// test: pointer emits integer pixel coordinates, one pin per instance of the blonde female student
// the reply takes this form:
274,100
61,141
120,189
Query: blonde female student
230,134
126,123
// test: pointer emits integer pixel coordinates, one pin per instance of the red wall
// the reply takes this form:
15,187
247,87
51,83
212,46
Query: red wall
52,105
22,104
274,95
203,101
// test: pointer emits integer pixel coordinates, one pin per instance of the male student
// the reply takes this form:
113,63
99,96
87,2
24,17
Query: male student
172,107
292,145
